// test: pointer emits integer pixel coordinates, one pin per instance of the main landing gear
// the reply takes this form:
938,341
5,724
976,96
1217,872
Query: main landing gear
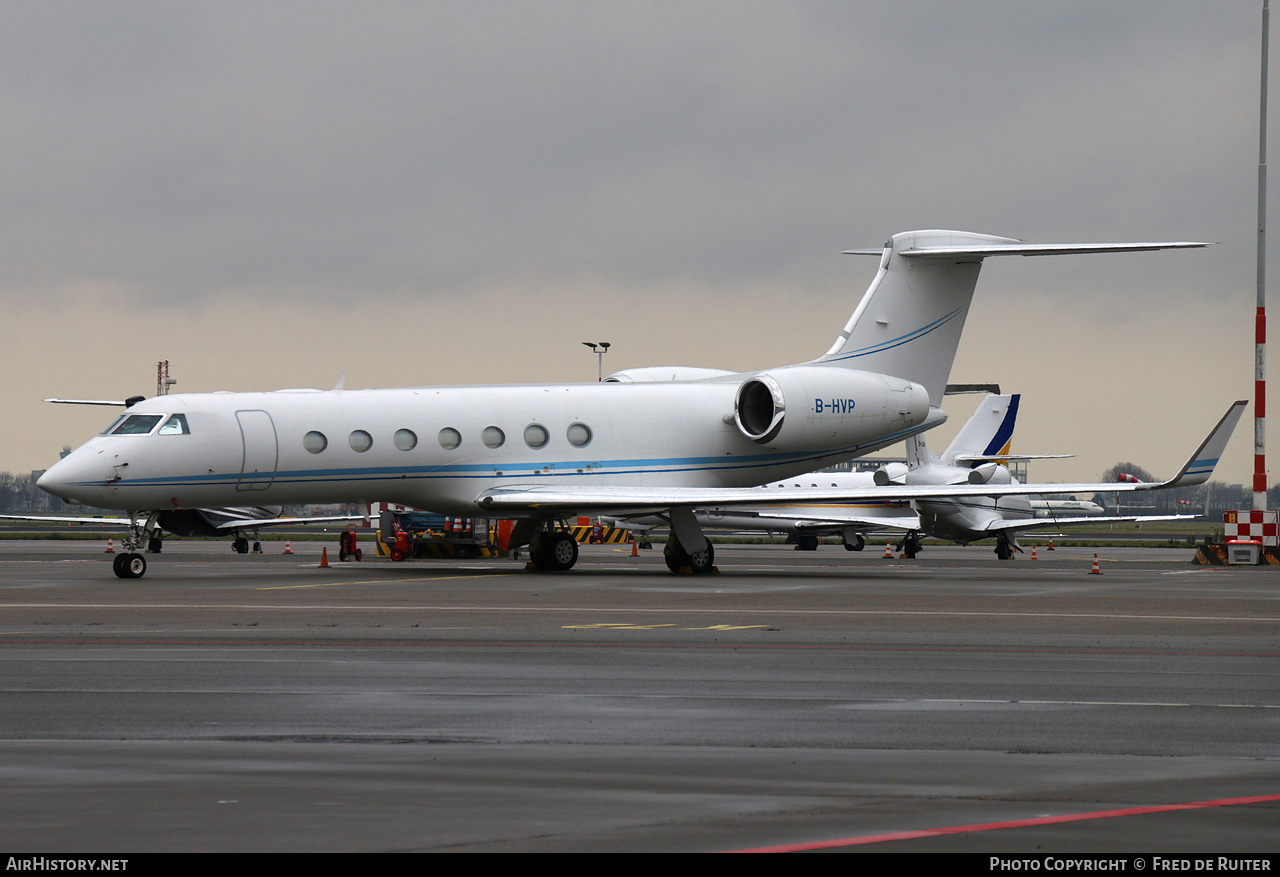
696,562
131,564
553,550
240,544
910,544
687,549
806,542
1005,547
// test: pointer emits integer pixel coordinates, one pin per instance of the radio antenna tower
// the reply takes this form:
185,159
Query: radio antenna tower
163,381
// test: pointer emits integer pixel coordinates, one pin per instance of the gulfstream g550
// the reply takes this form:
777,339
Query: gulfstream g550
538,453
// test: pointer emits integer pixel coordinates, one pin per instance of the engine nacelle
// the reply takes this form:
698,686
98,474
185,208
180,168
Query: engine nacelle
813,408
664,373
890,473
990,473
939,473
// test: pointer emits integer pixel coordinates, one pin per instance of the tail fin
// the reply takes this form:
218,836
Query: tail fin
909,321
988,433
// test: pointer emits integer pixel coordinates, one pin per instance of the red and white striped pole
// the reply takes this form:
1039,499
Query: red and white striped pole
1260,323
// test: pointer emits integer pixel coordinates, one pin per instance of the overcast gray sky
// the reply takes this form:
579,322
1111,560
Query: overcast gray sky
270,194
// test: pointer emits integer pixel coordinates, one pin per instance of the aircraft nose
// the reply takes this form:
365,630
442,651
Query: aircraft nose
82,473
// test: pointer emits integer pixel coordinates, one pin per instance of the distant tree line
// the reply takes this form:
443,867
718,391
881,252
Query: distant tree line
19,495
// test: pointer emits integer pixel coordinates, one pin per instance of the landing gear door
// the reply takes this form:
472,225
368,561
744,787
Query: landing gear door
260,450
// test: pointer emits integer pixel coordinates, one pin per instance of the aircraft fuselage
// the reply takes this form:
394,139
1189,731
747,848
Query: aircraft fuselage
440,447
964,519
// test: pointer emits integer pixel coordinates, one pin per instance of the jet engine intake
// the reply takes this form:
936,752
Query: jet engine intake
809,408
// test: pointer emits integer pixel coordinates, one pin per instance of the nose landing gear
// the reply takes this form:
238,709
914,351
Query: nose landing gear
131,564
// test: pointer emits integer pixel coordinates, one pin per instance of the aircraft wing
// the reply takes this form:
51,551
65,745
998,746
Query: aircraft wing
621,501
814,520
52,519
113,403
1042,523
233,523
264,523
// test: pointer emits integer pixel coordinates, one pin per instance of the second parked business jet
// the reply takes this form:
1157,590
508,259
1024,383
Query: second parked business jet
976,456
539,453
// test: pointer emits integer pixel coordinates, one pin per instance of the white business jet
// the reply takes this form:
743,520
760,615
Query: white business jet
540,453
977,455
966,519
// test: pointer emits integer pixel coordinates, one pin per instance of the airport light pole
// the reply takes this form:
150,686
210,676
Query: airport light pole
599,348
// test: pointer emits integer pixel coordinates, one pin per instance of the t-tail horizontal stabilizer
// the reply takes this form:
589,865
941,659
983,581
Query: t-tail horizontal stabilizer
908,322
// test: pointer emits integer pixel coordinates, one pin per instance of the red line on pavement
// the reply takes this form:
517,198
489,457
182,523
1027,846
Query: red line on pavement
1015,823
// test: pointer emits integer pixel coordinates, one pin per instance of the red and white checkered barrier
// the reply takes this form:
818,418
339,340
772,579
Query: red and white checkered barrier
1245,526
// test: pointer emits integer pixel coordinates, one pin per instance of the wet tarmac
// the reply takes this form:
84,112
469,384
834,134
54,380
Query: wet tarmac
950,703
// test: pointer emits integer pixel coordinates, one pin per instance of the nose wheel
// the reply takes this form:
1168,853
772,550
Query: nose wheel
129,566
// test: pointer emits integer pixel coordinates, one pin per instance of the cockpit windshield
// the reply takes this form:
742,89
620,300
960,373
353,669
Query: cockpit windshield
175,425
137,424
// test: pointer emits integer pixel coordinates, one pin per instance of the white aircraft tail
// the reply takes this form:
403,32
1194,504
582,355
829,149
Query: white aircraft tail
986,435
909,321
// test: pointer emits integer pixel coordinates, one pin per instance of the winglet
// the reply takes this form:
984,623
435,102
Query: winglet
1200,467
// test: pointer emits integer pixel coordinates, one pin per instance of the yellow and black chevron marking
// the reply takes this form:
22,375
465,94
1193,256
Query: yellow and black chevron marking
1211,555
1216,555
584,535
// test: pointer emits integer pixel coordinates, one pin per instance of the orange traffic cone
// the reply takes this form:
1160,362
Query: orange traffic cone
635,548
109,550
888,552
1033,552
324,556
1095,571
287,548
1050,548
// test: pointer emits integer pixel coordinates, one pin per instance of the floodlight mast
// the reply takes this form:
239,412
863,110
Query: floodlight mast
599,348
